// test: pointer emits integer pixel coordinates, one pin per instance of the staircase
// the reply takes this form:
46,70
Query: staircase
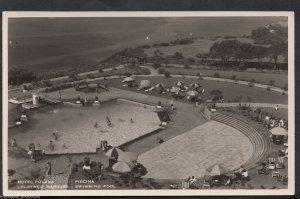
261,142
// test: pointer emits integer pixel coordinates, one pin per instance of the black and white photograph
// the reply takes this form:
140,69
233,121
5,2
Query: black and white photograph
148,103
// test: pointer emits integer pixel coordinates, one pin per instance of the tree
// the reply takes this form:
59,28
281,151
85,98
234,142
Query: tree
225,50
275,50
203,56
275,36
156,65
167,74
178,55
270,34
259,52
244,52
18,76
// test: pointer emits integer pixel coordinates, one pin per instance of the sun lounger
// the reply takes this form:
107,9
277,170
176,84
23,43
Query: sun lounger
185,184
275,174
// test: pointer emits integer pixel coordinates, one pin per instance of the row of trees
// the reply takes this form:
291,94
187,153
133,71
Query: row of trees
269,41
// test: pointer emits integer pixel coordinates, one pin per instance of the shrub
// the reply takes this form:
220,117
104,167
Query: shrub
164,44
283,93
271,82
217,75
73,77
250,84
180,73
187,66
233,77
167,74
229,37
145,71
252,80
285,87
47,83
156,65
146,46
90,76
100,70
191,60
127,74
161,71
268,88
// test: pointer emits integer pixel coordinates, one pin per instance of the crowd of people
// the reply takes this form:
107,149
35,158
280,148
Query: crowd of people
226,180
268,119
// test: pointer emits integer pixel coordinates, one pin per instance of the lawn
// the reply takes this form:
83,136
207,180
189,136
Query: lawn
199,46
231,91
264,78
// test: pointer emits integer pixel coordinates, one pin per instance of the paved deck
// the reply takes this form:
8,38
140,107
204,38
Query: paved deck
192,152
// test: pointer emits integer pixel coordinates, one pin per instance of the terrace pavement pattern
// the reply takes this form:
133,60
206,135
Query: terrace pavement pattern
191,153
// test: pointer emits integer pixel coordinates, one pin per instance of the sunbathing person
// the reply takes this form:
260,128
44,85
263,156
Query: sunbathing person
193,180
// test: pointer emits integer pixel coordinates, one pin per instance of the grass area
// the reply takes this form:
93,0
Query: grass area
231,91
190,50
264,78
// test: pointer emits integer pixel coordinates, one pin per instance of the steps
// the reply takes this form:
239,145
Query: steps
260,141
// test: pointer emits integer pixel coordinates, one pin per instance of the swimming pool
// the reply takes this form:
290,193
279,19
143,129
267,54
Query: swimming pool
77,130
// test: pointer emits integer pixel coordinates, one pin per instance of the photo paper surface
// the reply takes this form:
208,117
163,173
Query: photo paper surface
148,103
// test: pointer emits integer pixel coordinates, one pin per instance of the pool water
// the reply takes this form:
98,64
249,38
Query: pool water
76,126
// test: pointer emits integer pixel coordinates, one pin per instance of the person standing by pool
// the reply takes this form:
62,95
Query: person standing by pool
14,143
51,145
108,121
56,135
172,104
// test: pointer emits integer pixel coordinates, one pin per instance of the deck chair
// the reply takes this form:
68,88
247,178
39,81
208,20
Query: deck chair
205,185
275,174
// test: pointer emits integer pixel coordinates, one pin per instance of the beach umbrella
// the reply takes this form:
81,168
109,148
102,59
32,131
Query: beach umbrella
175,89
278,131
194,85
160,85
192,93
127,157
123,167
216,92
145,84
178,83
128,79
216,169
114,152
